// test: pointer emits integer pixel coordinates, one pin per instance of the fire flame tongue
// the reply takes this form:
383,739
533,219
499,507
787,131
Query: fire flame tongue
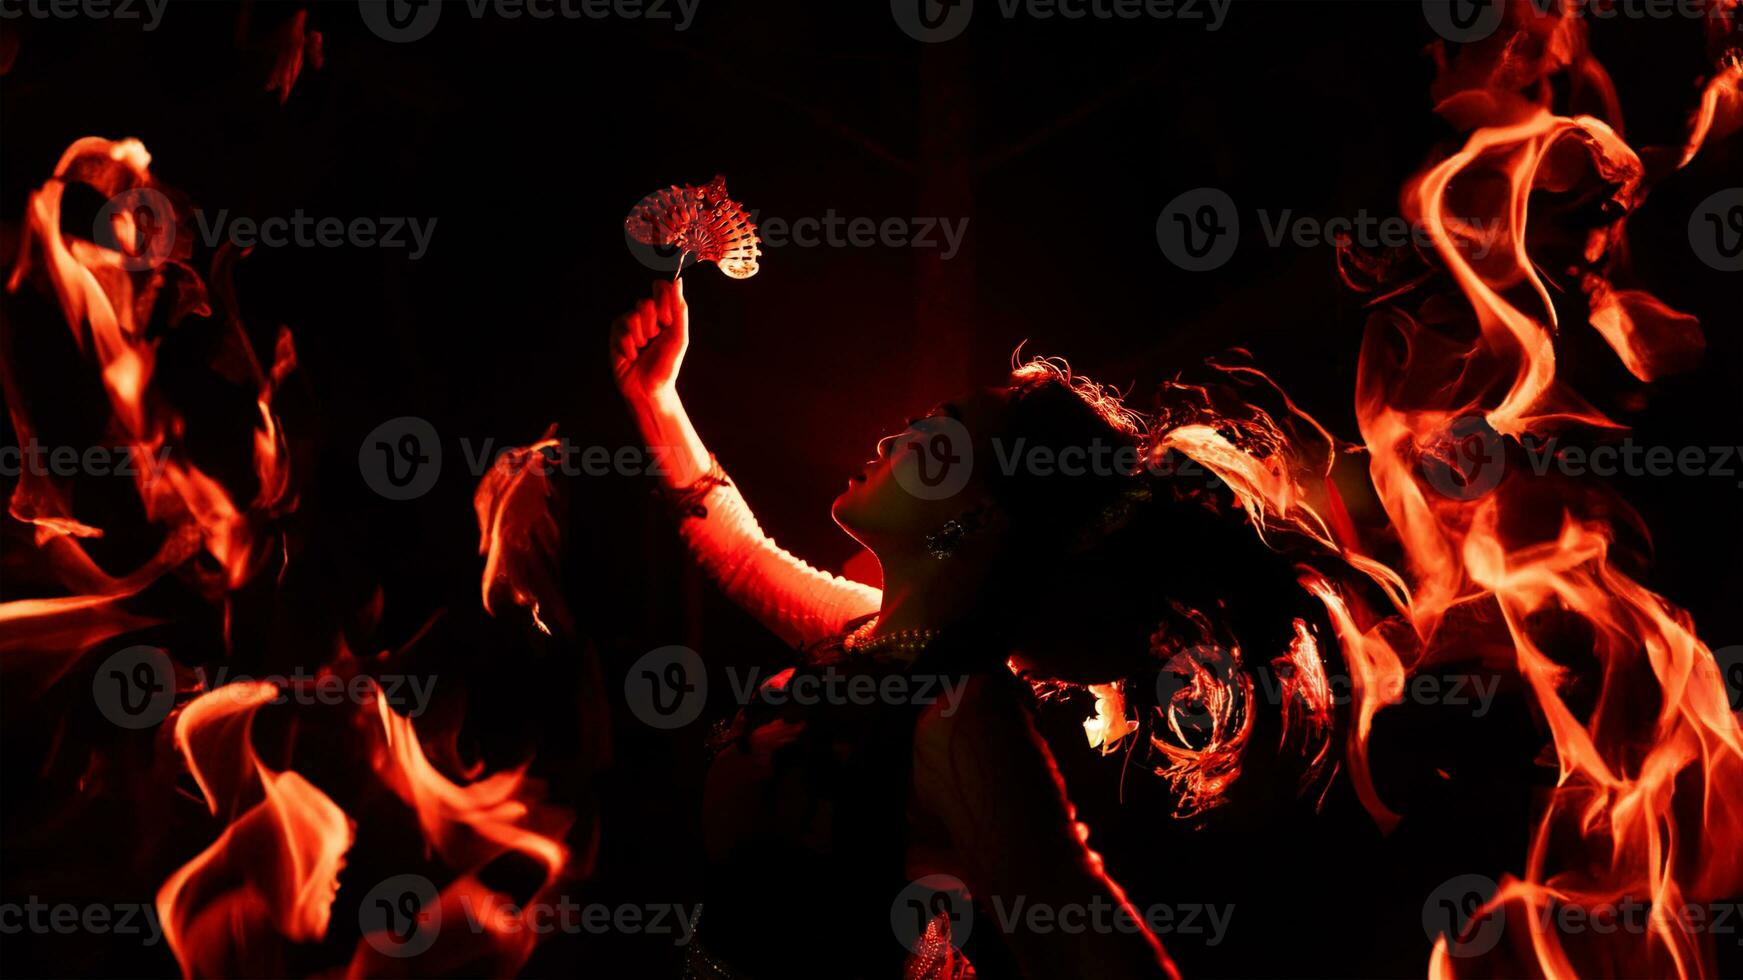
273,872
468,827
106,297
1648,804
517,534
260,898
275,869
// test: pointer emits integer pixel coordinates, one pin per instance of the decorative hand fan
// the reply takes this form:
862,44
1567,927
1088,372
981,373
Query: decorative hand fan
698,220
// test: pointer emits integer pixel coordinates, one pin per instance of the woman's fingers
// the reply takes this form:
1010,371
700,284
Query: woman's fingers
671,304
662,315
647,327
680,309
674,315
623,343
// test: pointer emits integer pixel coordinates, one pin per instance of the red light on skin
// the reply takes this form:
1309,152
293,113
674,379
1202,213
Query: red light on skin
863,568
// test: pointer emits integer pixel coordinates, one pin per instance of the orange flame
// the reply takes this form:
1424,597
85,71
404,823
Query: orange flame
1649,800
1648,805
517,535
105,296
275,867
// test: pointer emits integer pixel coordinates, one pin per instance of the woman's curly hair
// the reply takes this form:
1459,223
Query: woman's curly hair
1143,578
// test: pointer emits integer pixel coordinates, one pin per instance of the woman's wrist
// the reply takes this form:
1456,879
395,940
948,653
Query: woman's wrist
666,427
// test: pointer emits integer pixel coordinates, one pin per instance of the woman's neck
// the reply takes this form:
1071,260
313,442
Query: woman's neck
928,595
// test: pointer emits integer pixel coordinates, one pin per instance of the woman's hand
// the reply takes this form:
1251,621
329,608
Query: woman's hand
648,344
647,347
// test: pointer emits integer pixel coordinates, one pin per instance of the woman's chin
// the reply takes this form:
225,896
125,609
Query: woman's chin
842,508
848,509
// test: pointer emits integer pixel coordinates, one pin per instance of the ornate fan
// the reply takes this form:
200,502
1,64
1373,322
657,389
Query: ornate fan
700,221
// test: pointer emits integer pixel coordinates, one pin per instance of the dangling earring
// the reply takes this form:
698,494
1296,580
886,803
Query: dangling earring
942,543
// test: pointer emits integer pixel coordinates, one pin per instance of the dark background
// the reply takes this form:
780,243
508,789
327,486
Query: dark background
1060,142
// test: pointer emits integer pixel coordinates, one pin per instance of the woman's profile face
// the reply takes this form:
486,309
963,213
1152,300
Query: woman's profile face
927,474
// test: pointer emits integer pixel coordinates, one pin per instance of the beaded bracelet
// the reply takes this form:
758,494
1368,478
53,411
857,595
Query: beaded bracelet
686,501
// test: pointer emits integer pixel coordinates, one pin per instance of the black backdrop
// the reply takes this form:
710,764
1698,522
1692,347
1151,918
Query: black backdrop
1060,142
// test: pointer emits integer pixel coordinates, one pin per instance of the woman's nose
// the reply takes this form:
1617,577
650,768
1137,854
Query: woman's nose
886,444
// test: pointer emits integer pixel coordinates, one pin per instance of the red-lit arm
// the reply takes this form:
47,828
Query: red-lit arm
982,771
797,602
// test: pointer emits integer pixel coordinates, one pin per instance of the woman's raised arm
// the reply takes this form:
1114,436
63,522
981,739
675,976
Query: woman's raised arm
799,603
